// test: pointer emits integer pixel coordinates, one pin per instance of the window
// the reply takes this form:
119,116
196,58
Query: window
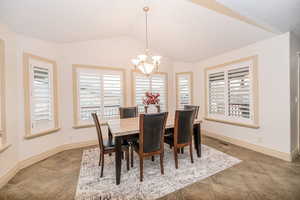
2,96
156,83
184,89
41,113
232,92
97,90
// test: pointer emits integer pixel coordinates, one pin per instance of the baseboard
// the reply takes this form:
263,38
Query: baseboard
34,159
9,175
247,145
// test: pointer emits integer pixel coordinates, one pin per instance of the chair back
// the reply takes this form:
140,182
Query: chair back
188,107
99,132
184,123
128,112
152,130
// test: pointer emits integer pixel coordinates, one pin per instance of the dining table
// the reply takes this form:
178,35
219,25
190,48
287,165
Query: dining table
128,130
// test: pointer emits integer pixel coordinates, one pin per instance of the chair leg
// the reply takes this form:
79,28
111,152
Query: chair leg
191,152
175,157
131,155
152,158
127,159
102,164
141,169
162,163
100,159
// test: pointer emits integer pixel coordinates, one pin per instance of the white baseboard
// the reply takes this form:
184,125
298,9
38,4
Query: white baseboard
34,159
254,147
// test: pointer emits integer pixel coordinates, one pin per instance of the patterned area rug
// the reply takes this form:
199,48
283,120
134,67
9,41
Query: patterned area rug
91,186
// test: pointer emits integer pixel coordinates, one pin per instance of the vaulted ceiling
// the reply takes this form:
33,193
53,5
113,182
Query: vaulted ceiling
184,30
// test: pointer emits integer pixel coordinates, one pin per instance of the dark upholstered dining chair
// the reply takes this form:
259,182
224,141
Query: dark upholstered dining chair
107,147
188,107
151,138
128,112
183,133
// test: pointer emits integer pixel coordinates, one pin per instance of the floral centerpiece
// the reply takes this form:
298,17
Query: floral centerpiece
151,99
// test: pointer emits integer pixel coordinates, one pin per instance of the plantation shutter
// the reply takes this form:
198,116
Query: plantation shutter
216,94
113,95
159,85
239,92
184,90
41,96
142,85
89,95
156,83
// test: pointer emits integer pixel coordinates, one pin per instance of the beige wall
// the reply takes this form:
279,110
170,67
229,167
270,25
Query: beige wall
274,93
294,74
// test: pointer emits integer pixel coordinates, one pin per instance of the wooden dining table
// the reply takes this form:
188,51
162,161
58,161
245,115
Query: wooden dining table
128,129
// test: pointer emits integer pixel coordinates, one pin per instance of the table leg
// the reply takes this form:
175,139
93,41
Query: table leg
197,139
118,161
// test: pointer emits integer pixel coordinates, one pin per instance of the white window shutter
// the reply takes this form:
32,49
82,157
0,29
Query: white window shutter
216,93
142,85
184,90
41,95
89,95
239,92
112,95
159,85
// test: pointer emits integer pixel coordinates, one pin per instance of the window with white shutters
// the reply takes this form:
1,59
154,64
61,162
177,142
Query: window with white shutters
232,92
40,96
156,83
184,89
99,90
216,98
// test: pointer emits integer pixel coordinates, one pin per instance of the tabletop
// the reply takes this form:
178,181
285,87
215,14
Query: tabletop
120,127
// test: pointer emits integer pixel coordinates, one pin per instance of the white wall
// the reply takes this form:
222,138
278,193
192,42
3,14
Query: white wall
9,158
274,93
112,52
294,74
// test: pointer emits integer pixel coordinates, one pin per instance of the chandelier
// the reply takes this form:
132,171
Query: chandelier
147,63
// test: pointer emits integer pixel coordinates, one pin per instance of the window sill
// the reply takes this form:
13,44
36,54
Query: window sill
5,147
233,123
42,133
88,125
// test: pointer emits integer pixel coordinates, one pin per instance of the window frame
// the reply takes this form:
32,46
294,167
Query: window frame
178,74
75,67
2,97
27,94
133,84
254,95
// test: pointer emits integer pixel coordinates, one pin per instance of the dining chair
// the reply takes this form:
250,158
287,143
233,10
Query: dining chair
128,112
107,147
188,107
183,133
151,138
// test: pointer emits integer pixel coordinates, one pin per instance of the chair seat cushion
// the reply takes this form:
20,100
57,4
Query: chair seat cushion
169,139
110,145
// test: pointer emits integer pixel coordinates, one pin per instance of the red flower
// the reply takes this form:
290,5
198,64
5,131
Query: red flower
151,98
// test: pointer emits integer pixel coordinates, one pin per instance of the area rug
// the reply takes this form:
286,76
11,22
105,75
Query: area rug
91,186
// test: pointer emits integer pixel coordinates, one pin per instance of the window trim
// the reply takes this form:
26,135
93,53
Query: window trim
3,96
75,90
178,74
133,86
27,106
254,91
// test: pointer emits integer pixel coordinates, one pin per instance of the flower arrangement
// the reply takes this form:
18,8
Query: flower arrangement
151,98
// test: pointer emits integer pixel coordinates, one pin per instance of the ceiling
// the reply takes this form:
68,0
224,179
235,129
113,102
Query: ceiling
279,15
183,30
